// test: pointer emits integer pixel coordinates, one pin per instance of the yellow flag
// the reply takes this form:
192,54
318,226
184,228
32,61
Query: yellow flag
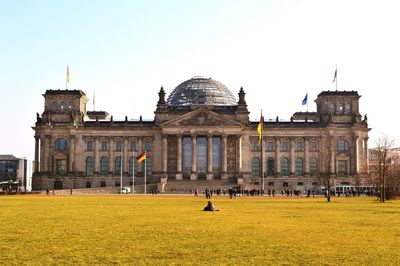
67,74
260,129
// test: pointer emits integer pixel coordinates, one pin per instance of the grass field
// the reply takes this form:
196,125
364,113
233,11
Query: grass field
168,230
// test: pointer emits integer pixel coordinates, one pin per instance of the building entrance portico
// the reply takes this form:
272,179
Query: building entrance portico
199,157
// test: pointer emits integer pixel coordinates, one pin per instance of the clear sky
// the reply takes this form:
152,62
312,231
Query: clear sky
126,50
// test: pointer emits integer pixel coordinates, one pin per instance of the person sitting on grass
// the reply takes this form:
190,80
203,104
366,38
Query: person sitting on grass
210,207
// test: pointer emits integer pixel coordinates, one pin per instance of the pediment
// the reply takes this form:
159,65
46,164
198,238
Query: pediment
201,117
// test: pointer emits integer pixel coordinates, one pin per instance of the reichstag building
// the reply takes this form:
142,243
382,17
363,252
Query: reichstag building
199,132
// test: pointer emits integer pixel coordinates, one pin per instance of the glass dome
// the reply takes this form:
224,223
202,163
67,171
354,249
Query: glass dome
201,91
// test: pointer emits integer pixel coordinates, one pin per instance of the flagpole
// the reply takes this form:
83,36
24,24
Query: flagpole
145,175
336,77
133,173
262,152
121,170
67,78
307,101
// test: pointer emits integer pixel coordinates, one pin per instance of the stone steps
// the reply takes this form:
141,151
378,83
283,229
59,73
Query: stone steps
184,186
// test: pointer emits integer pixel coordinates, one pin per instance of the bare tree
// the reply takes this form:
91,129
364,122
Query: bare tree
326,174
381,163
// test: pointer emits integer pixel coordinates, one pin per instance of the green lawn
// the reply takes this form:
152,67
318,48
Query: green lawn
168,230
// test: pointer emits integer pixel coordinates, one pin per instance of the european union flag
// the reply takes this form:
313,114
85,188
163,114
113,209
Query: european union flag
304,102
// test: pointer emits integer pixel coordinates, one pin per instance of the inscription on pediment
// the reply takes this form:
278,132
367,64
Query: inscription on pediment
203,119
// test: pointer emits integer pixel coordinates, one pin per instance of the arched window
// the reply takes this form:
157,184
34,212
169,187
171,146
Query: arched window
255,167
117,166
313,167
133,163
61,144
149,166
70,106
89,165
62,106
299,167
104,166
270,167
284,166
342,145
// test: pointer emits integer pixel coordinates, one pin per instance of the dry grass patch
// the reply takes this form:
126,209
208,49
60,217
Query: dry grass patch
168,230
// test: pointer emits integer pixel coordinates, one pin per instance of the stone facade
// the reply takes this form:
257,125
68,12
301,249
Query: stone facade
76,148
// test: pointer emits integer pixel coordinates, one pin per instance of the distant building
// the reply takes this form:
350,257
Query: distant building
13,169
200,132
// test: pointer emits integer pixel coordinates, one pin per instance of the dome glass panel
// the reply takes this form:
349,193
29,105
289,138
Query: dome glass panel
201,91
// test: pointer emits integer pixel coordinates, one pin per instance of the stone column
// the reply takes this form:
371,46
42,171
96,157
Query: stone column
164,154
332,143
366,155
179,175
306,157
96,156
239,155
209,157
193,175
140,150
71,161
356,154
292,160
48,154
37,138
125,164
111,157
224,162
277,157
42,154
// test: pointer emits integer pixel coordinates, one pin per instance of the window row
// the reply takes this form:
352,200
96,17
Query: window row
62,106
118,145
285,146
105,166
284,171
342,145
340,108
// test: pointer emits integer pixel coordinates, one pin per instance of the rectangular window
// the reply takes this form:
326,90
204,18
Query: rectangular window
255,146
285,146
147,146
133,146
61,167
299,146
89,145
118,145
342,167
104,146
347,108
270,146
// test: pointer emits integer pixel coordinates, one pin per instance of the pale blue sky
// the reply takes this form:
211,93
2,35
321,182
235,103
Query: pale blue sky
125,50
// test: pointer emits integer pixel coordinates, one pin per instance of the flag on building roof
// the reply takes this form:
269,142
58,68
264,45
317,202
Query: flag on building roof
67,74
304,102
260,128
334,77
141,157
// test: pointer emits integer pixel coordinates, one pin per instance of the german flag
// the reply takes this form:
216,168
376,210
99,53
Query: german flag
260,128
141,157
